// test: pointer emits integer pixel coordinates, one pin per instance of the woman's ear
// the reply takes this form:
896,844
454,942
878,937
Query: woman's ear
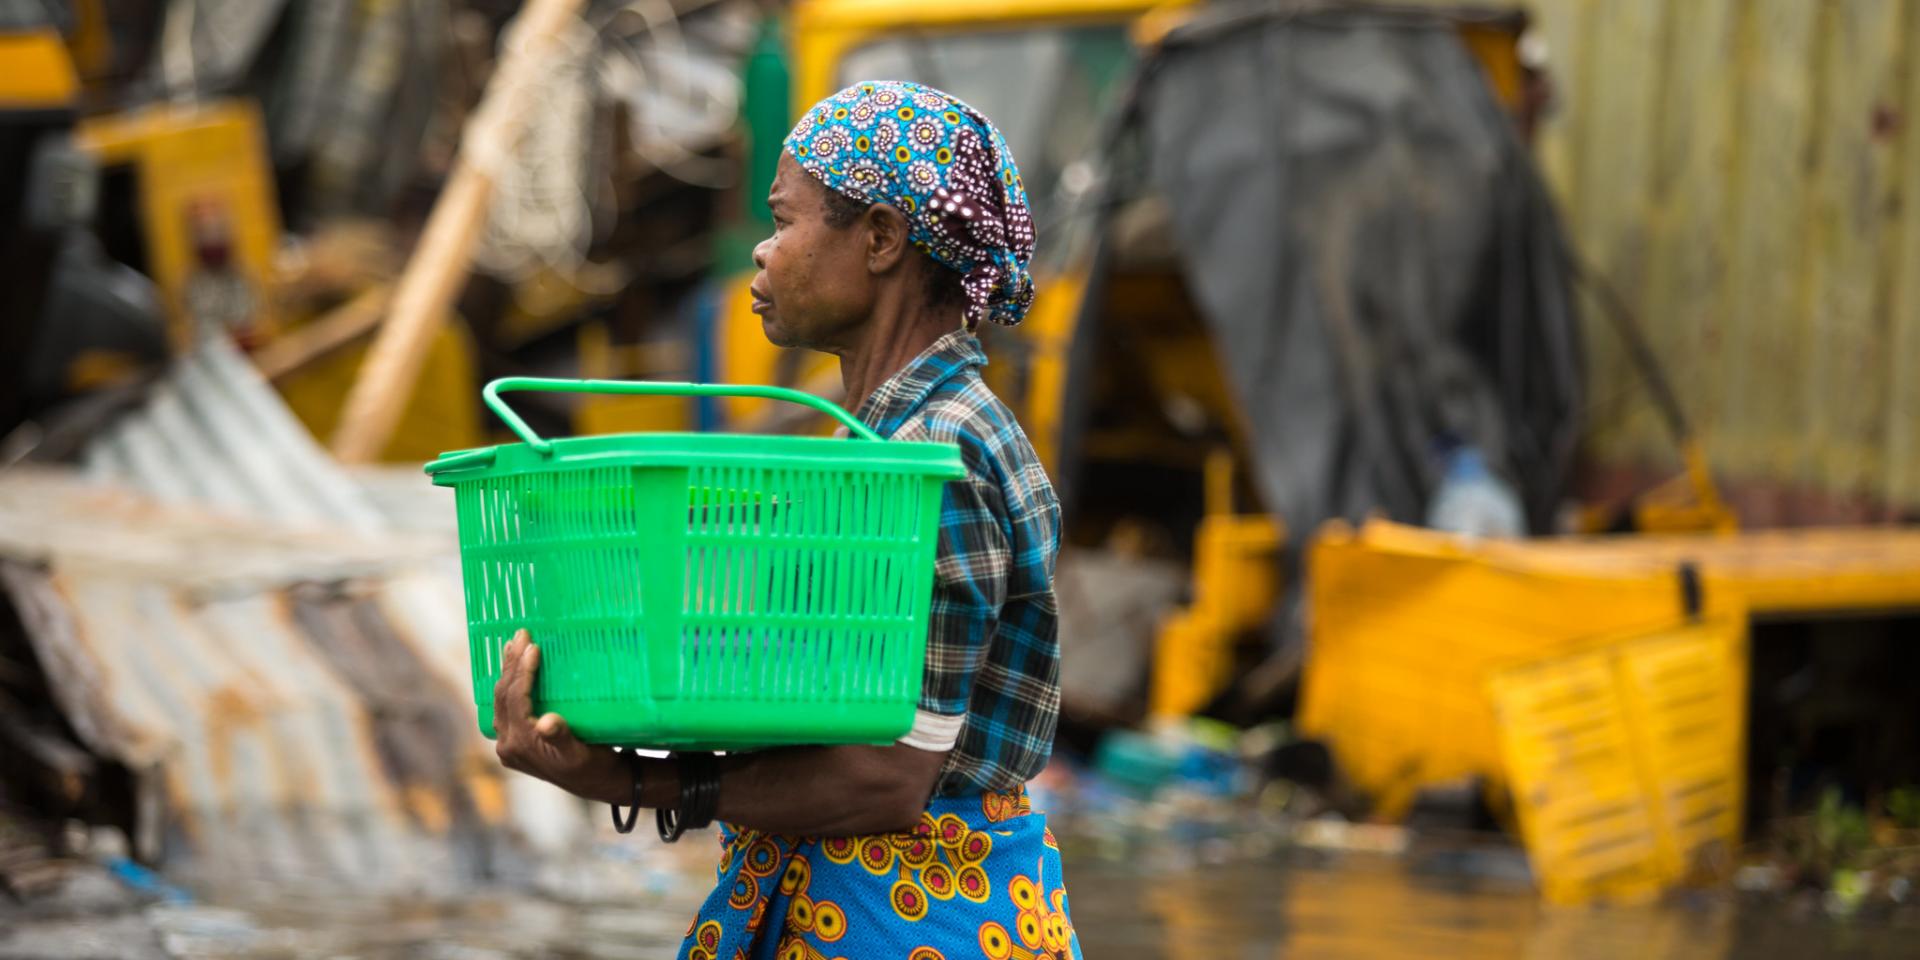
887,245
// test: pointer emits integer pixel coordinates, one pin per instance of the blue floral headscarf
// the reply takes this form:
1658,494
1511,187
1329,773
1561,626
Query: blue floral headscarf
943,165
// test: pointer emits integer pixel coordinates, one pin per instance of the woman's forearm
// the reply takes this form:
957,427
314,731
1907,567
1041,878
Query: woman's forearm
814,791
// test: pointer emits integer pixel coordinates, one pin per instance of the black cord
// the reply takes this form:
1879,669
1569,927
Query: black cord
633,808
699,797
700,792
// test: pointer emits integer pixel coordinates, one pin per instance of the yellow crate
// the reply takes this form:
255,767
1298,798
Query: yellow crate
1625,760
1404,627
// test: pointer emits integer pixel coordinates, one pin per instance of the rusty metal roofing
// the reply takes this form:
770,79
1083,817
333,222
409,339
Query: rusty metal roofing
214,432
1743,175
295,703
222,609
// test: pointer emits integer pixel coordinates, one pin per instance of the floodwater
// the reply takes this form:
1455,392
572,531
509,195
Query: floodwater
1243,900
1371,907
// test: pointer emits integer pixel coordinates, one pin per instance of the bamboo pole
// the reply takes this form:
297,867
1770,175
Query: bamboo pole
438,267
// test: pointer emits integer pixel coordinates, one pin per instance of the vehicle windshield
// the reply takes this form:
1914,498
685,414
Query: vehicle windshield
1046,88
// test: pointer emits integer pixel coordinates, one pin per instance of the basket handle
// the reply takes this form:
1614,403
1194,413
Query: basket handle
653,388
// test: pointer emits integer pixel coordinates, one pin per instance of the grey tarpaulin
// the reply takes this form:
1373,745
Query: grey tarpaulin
1372,250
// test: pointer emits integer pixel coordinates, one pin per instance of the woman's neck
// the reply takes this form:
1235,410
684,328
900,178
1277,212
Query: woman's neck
892,338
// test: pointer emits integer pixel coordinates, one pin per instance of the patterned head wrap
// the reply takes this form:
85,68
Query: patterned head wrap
944,166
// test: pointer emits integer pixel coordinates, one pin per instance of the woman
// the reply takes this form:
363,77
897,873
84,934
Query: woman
900,224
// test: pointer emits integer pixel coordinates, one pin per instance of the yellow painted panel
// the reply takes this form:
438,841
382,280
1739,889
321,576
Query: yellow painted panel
212,155
1568,747
824,31
1404,626
35,72
443,412
1047,333
1777,572
1626,759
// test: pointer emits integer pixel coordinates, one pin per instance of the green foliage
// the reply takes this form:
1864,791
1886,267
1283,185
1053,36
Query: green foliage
1840,832
1903,807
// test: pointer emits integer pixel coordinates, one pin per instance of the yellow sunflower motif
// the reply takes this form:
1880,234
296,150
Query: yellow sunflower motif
709,938
798,874
876,855
971,881
926,953
938,879
994,941
800,914
1025,895
763,857
919,852
793,949
990,805
952,830
1028,925
975,847
921,831
1056,933
908,900
840,849
829,921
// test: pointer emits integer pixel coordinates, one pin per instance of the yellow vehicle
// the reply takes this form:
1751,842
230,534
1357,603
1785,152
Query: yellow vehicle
171,209
1050,73
1044,71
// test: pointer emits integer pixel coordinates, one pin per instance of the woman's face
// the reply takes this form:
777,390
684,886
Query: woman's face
814,284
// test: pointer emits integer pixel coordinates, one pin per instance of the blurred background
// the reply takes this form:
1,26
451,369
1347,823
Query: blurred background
1488,436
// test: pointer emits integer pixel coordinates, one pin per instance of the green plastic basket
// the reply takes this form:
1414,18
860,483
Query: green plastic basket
703,591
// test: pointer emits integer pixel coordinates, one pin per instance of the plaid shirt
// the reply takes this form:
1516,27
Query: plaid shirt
993,657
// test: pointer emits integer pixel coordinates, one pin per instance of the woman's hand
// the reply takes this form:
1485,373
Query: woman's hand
546,748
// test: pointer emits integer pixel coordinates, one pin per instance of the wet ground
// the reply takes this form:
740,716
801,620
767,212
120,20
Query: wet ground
1183,902
1370,906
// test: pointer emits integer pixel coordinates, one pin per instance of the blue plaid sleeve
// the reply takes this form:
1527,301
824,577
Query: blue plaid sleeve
970,585
992,677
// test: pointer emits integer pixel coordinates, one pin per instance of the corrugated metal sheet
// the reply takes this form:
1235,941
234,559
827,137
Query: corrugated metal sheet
282,664
267,686
216,433
1747,173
